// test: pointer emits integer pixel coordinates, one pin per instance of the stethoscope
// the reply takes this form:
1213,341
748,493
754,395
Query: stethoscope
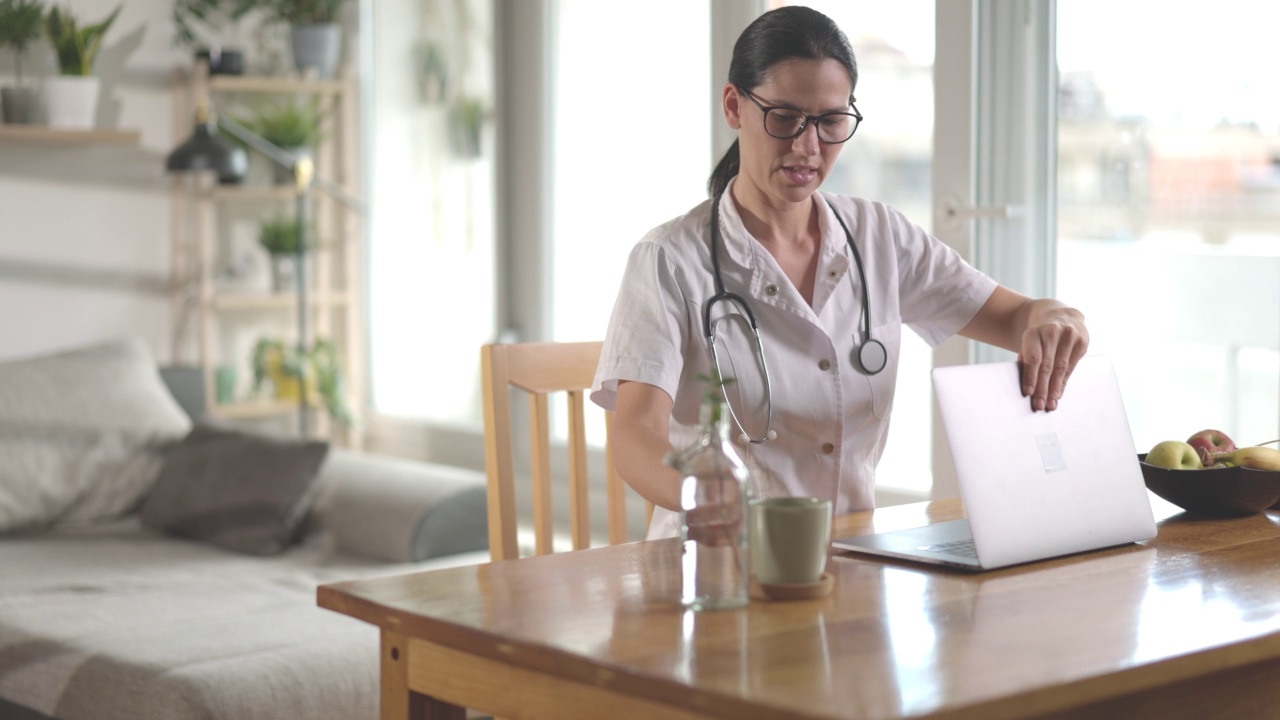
870,354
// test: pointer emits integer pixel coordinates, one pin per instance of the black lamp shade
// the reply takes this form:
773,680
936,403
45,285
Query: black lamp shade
205,150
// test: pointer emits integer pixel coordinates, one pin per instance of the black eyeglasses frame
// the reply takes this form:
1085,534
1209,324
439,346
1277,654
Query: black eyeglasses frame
808,119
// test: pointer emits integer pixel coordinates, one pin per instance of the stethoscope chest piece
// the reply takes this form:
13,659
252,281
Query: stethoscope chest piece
871,356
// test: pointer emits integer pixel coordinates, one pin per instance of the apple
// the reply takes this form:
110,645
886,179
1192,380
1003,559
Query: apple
1175,455
1210,441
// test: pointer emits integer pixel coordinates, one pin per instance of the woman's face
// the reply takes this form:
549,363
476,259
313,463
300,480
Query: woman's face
783,172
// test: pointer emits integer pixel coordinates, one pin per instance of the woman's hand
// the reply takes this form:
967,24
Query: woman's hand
1053,342
1049,337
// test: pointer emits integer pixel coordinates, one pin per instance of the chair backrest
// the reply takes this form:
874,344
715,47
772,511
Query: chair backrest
540,369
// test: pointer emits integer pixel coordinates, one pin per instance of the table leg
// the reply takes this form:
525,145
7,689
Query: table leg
400,703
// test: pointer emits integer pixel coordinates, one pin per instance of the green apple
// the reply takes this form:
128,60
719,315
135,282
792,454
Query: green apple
1175,455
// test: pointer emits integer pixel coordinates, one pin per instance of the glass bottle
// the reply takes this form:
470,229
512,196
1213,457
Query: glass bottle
713,518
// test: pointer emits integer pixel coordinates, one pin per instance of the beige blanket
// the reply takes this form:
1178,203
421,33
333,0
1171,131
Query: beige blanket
115,621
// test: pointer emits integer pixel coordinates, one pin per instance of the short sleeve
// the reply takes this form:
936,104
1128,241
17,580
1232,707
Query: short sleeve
939,293
648,328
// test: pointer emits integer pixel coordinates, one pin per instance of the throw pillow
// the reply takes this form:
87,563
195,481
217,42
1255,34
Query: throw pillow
81,434
241,491
401,510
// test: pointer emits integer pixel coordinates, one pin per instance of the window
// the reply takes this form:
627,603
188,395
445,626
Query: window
1169,208
890,160
632,133
432,291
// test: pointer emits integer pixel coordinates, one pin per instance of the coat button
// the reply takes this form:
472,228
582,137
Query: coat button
771,289
833,274
828,448
824,364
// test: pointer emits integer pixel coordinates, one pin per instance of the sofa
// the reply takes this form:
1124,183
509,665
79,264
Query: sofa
153,565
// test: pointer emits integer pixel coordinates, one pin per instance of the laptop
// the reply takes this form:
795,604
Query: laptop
1035,485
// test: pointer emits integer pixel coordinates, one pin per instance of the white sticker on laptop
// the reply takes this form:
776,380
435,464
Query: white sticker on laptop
1050,452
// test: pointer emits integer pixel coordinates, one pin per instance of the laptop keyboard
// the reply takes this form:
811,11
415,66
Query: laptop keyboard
963,548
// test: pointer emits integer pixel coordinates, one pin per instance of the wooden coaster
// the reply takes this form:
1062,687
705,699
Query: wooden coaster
796,591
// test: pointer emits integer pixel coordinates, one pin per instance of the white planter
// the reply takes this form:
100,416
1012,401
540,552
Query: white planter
72,101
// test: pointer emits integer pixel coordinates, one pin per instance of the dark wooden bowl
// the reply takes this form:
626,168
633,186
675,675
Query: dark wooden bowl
1215,492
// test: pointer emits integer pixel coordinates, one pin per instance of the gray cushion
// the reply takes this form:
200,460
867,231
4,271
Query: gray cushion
186,384
401,510
81,434
244,492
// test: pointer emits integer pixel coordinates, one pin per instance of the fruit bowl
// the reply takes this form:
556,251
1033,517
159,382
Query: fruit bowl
1217,492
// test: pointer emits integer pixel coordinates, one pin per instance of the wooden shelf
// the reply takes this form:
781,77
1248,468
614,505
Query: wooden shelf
44,135
272,84
255,192
274,301
203,234
251,409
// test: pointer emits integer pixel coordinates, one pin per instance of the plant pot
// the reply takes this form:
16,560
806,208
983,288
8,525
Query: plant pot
72,101
222,62
316,48
284,175
288,387
19,105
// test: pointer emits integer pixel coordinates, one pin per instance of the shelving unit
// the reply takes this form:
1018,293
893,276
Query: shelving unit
202,214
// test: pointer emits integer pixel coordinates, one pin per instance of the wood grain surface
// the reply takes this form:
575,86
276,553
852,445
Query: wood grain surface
1184,625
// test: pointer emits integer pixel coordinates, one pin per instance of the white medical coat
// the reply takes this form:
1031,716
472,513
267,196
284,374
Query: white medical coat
831,418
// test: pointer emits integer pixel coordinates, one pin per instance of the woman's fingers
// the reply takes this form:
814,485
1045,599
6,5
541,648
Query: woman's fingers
1049,354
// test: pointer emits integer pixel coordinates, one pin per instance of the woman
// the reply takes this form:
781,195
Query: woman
829,279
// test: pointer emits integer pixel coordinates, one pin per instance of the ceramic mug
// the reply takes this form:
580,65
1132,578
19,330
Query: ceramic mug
789,539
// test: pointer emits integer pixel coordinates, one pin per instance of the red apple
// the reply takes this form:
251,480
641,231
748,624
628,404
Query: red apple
1210,441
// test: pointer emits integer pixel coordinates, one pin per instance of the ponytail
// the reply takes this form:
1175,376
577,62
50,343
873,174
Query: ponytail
725,171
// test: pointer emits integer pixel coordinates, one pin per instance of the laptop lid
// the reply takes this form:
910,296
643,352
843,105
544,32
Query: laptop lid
1035,485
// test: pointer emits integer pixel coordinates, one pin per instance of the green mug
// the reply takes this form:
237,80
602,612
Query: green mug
789,539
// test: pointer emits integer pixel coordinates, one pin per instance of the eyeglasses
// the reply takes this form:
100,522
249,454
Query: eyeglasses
785,123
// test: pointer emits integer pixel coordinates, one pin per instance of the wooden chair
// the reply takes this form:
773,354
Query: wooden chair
541,369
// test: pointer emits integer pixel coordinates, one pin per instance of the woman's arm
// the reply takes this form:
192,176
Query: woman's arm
641,421
1049,337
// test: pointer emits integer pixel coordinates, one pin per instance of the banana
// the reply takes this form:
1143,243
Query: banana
1260,458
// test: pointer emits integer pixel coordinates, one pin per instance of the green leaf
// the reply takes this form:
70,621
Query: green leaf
76,48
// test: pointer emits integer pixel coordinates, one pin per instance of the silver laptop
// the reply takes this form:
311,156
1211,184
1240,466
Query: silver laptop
1035,485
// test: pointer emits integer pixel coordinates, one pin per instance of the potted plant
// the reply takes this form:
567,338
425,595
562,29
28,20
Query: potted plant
289,368
20,25
468,116
196,20
279,237
314,33
295,126
72,97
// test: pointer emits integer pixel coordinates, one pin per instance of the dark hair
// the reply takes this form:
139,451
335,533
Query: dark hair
782,34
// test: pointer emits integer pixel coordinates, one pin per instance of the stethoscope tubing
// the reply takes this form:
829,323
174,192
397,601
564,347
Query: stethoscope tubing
871,353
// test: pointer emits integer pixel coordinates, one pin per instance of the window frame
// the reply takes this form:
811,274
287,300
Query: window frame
974,38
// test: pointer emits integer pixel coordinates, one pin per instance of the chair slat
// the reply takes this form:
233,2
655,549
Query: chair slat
617,491
542,368
540,449
579,510
503,542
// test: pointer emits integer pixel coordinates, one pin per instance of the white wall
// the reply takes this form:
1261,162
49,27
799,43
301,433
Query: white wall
84,232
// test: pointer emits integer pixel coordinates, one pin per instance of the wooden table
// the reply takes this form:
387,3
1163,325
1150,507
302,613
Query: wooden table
1186,625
